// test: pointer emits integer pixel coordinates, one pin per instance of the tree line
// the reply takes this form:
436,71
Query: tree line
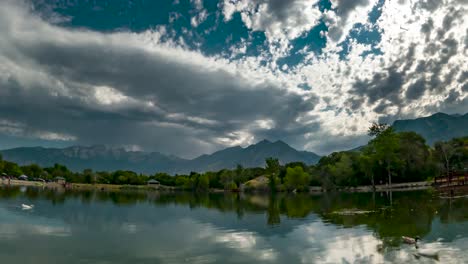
389,157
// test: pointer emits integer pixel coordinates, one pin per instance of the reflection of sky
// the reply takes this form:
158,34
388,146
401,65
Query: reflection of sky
143,233
328,244
14,222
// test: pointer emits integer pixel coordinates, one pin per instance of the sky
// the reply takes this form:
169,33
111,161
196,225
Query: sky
187,77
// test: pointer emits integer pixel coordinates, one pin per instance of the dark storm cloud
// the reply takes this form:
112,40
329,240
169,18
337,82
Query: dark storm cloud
382,85
169,104
416,90
355,103
172,86
453,95
386,84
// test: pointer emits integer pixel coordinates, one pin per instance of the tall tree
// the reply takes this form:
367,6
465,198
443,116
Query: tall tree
415,155
445,151
272,170
386,146
203,183
366,165
377,128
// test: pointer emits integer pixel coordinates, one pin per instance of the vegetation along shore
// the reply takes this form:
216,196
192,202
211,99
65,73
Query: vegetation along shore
390,160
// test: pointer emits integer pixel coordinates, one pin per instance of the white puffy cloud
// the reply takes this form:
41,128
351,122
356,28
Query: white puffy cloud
418,73
280,20
344,15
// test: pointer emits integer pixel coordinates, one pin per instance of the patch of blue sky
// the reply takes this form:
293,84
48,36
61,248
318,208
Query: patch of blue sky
362,34
324,5
310,42
218,36
258,44
213,36
304,86
376,12
112,15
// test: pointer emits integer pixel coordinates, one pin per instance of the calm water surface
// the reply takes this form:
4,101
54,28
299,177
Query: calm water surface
101,227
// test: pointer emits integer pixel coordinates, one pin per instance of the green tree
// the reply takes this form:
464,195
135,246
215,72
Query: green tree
239,174
227,178
415,157
165,179
12,169
203,183
377,128
181,180
342,171
444,152
88,176
452,154
104,177
386,146
32,170
366,165
272,170
296,178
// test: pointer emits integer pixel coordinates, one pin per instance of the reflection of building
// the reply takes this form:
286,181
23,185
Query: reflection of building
153,182
23,177
60,180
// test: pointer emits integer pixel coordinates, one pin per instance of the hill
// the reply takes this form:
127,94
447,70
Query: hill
103,158
252,156
436,127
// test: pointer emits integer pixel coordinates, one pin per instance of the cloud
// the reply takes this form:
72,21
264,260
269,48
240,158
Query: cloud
109,88
421,63
281,21
344,15
150,91
200,13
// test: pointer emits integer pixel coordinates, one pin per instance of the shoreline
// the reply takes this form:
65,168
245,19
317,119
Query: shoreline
409,186
406,186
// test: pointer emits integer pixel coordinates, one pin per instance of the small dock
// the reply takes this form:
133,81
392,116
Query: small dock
451,179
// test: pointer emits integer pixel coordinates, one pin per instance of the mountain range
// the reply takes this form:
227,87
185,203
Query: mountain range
437,127
104,158
433,128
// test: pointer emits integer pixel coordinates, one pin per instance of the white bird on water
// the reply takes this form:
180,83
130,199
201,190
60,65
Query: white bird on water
427,253
27,207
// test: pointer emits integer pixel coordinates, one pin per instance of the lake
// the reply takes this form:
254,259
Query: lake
152,227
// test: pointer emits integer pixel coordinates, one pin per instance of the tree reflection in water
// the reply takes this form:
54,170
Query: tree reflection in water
409,213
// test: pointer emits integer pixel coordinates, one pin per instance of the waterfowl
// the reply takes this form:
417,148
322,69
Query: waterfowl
410,240
380,247
27,207
427,253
